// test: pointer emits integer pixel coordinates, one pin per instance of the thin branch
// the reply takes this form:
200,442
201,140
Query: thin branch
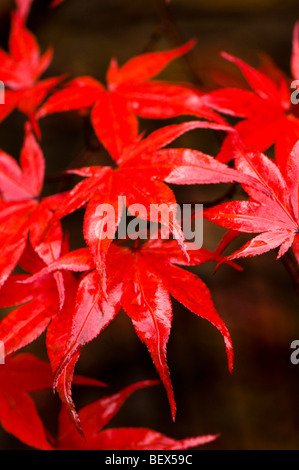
292,267
91,145
168,24
156,34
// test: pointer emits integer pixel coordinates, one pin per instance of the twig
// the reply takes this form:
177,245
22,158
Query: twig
156,34
292,267
169,25
91,145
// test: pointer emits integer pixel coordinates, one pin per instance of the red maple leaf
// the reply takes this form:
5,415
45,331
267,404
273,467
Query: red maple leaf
35,304
23,212
95,417
21,68
142,170
25,373
273,215
130,92
19,376
141,281
267,112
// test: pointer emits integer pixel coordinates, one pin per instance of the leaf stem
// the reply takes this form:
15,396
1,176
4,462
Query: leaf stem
168,24
292,267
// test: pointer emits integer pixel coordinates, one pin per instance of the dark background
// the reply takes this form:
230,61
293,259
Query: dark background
257,406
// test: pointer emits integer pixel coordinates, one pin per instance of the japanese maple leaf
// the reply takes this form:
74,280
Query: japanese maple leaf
21,68
267,112
23,212
142,170
19,376
96,416
34,305
130,92
274,216
141,281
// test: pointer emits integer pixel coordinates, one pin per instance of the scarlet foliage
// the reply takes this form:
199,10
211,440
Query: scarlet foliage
268,114
274,214
72,295
22,67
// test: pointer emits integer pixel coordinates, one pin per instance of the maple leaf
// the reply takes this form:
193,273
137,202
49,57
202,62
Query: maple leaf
25,373
142,170
21,68
273,215
20,375
34,305
23,213
131,91
267,112
141,281
95,417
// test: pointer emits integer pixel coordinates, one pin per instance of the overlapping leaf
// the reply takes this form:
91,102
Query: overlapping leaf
23,213
130,92
143,167
274,215
267,112
141,281
20,375
35,304
21,68
95,417
25,373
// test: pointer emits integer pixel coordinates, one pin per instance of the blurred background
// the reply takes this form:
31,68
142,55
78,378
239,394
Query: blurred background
257,406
